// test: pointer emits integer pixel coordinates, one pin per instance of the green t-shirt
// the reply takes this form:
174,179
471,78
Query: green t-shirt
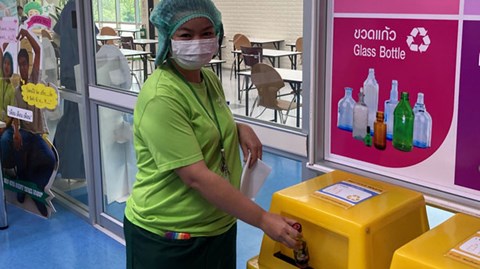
171,130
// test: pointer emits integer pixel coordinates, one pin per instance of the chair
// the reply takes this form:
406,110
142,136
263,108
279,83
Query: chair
239,40
126,42
251,56
268,83
299,44
299,47
106,30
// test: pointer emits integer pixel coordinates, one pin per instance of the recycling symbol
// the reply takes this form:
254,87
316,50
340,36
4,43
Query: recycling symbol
425,40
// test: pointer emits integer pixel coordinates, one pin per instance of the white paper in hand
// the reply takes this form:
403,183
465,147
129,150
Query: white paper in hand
253,178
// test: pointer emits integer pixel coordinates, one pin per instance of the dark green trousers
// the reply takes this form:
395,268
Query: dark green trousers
146,250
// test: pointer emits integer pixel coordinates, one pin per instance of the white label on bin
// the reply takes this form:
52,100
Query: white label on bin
347,193
468,251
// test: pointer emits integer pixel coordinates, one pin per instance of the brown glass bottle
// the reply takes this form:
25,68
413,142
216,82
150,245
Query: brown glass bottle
300,253
380,132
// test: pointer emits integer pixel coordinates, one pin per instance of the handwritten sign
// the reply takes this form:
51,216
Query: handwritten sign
19,113
8,29
40,95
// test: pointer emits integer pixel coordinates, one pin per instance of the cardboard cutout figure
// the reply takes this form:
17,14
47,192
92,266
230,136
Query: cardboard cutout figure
29,160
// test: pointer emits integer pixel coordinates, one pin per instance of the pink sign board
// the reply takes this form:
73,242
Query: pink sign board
419,54
8,29
398,6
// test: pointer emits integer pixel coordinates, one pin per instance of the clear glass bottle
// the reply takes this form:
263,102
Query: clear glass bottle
422,126
380,132
360,117
370,89
390,105
345,111
403,124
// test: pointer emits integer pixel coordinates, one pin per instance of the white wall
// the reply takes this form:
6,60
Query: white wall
261,19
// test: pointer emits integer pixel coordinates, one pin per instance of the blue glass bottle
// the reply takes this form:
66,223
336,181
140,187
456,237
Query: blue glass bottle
422,126
345,111
390,105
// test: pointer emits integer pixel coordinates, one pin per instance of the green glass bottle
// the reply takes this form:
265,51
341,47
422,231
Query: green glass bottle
403,119
367,140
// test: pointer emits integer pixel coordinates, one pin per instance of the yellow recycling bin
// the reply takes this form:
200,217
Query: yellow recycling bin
348,221
454,243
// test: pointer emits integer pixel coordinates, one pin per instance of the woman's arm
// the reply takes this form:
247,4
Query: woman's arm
249,142
224,196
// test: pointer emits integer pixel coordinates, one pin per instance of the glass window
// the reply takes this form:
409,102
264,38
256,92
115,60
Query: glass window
127,10
281,43
118,159
65,132
96,16
108,10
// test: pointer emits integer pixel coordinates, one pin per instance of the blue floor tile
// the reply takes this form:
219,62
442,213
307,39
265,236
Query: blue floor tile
63,241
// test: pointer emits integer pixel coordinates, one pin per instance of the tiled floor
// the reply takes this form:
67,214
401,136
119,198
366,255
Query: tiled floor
66,241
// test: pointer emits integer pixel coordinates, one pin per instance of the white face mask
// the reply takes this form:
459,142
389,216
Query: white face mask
193,54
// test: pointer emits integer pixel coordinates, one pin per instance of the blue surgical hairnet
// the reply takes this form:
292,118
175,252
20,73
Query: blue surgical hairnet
169,15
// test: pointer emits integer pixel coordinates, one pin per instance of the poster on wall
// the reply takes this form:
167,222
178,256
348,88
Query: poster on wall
403,92
28,159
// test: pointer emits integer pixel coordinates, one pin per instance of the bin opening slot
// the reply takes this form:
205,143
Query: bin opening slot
286,259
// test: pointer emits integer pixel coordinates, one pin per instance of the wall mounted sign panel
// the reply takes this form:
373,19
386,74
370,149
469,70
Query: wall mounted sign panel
428,49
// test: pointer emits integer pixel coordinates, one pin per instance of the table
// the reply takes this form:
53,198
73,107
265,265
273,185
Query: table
143,55
259,42
105,38
216,65
272,55
219,53
293,77
291,45
263,41
144,42
129,30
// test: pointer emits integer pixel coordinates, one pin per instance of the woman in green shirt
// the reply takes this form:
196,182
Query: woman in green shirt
185,201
